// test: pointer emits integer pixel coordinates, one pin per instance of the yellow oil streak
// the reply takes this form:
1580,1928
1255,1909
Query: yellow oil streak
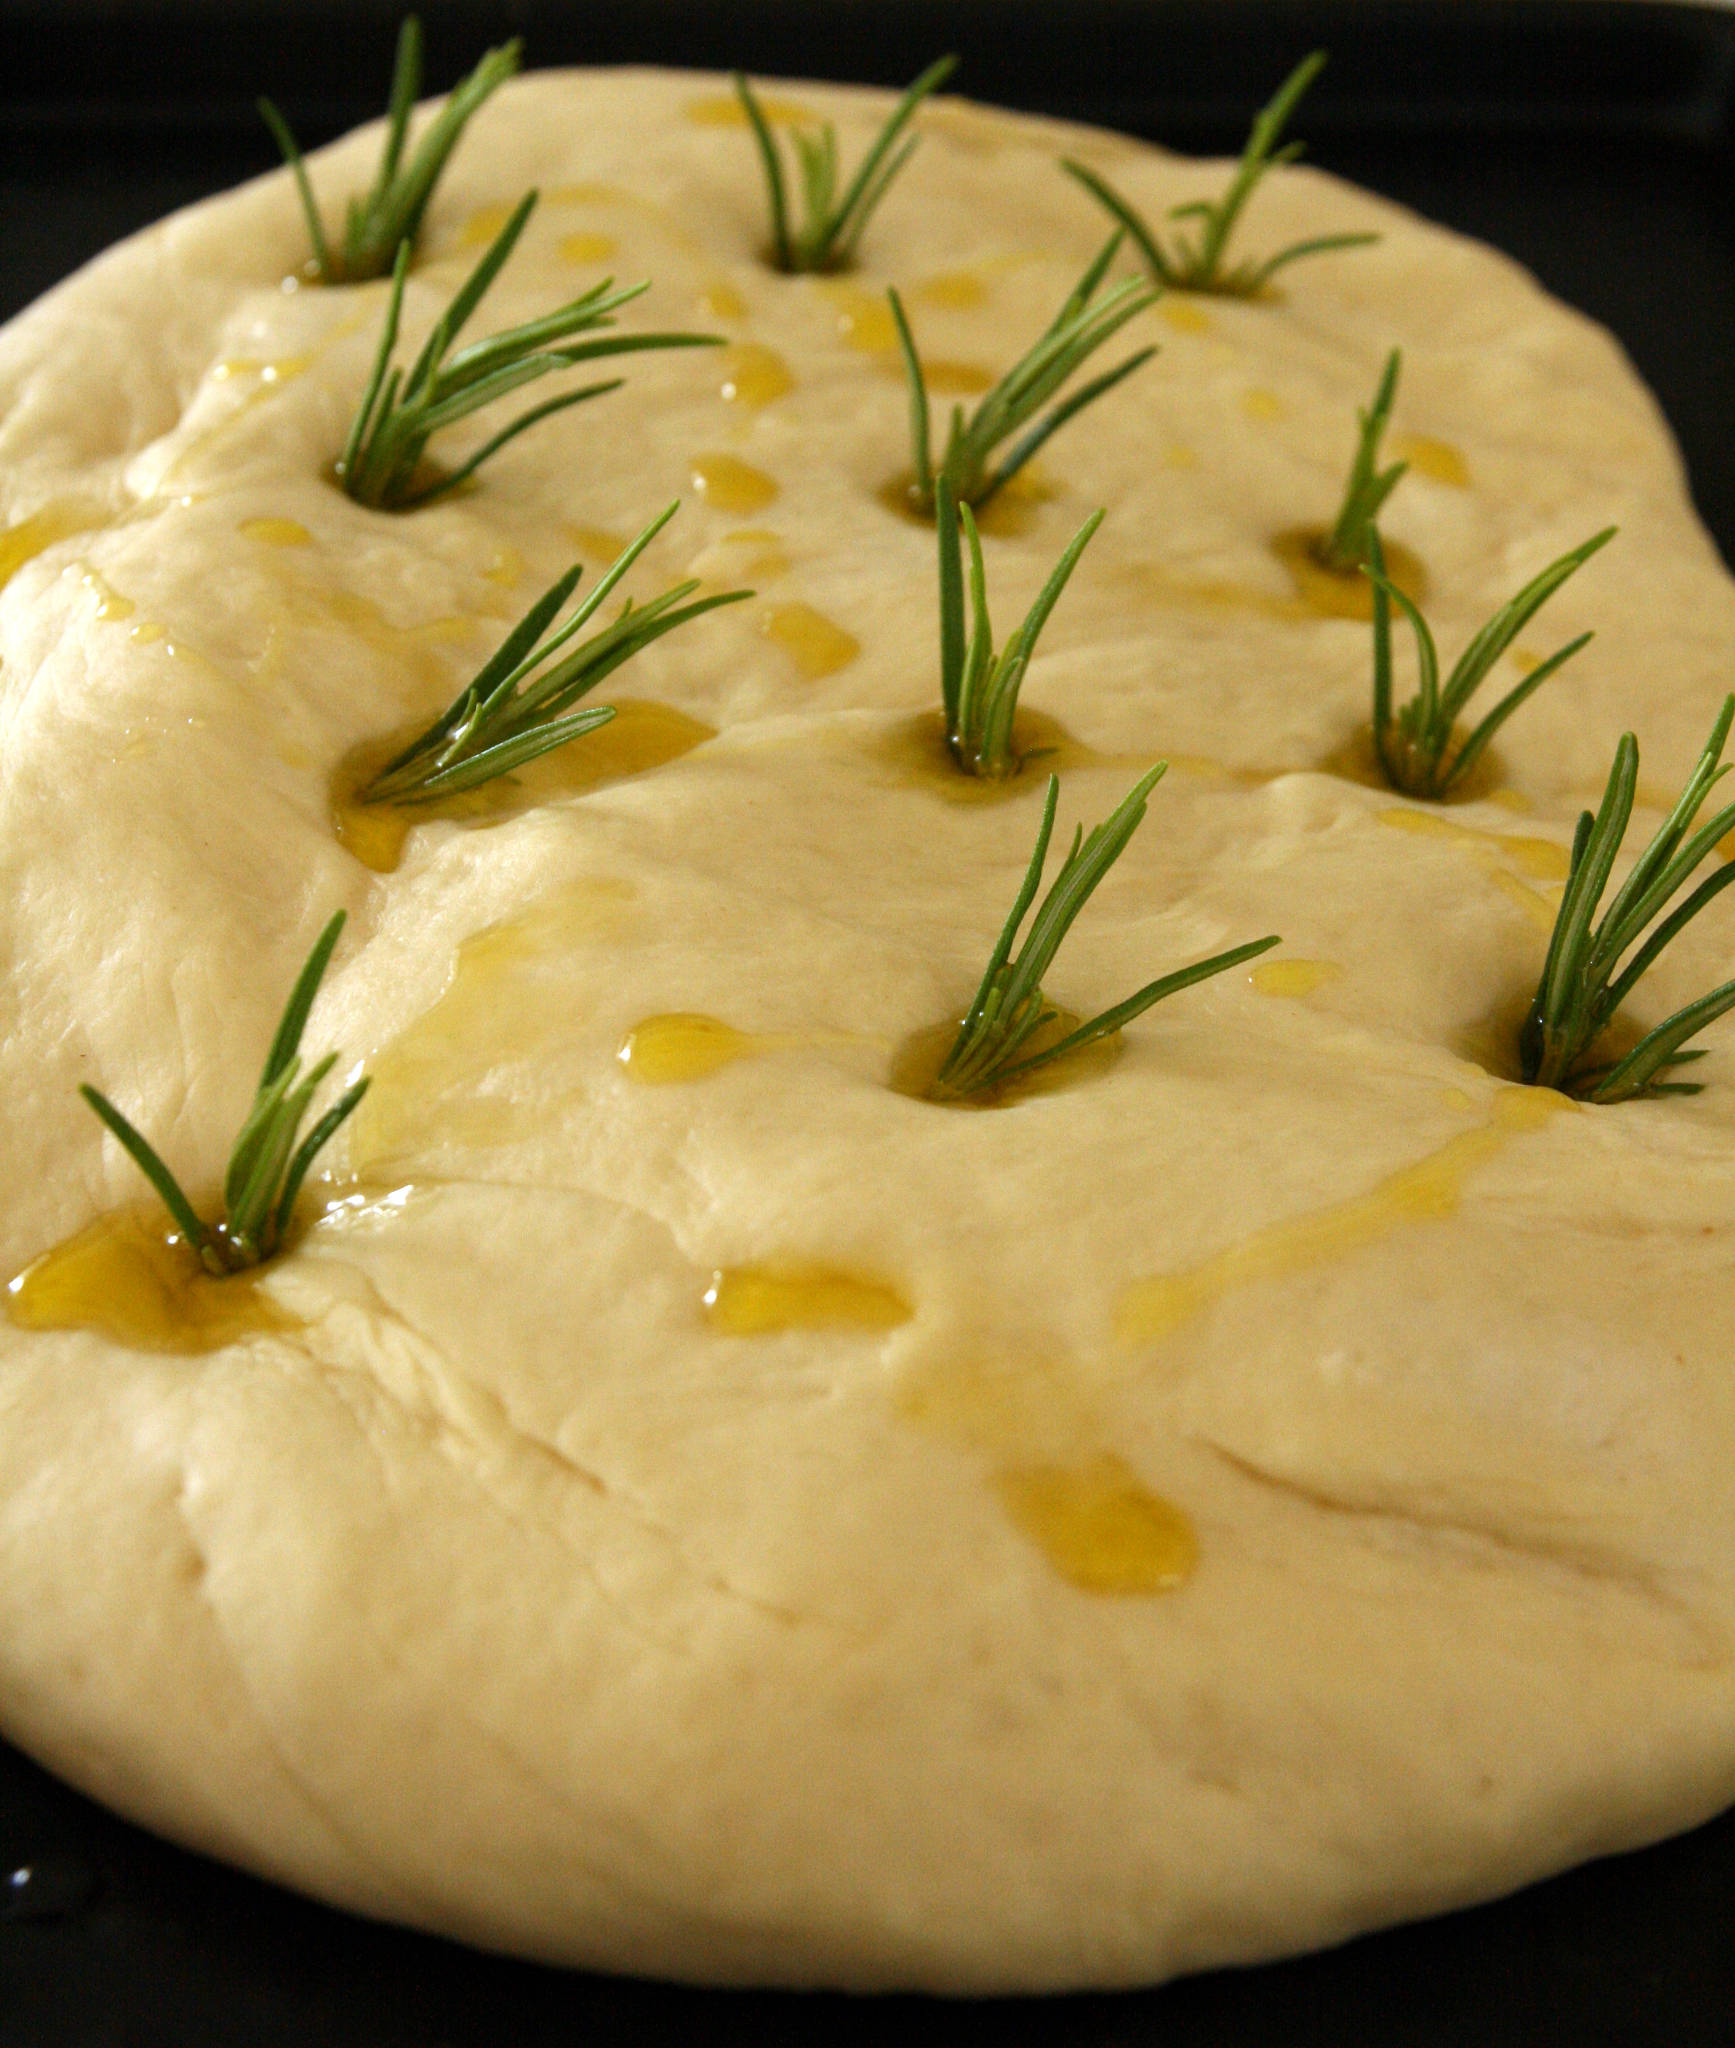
110,604
130,1279
1183,316
1496,854
758,1301
1437,460
814,644
1427,1192
725,111
1262,405
474,1067
58,520
730,484
754,375
1099,1527
276,533
1293,977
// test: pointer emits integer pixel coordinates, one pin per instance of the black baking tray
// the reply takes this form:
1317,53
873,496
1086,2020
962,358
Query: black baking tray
1589,138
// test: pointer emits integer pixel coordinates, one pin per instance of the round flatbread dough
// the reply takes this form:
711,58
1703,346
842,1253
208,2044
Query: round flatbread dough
707,1513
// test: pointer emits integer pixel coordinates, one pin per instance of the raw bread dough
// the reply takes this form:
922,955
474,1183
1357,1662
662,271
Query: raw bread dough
506,1592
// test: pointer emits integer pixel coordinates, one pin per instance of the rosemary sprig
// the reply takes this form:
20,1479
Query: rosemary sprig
400,412
391,212
831,227
1345,547
266,1166
1077,331
979,688
1416,745
509,714
1581,990
1010,1006
1192,264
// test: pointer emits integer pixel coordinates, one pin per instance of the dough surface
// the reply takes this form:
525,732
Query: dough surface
505,1589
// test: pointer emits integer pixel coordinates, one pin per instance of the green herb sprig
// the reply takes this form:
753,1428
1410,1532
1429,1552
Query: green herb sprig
1076,332
1197,264
1010,1006
1345,547
510,714
266,1166
400,412
831,227
1583,984
979,688
1416,744
390,213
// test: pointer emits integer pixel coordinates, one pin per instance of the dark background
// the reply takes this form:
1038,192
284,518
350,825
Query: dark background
1592,141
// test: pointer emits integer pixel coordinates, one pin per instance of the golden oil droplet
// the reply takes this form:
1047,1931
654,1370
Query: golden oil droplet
959,291
58,520
1099,1527
642,735
276,533
864,319
721,301
1186,318
586,248
1293,977
129,1278
1343,593
1179,456
1262,405
596,543
730,484
952,379
483,226
1438,460
682,1045
754,375
756,1301
815,645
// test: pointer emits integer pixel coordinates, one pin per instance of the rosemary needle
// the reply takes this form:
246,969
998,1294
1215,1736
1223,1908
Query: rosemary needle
1417,745
1583,983
1076,332
1346,546
401,411
1009,1006
1197,264
266,1166
509,714
979,688
391,211
831,226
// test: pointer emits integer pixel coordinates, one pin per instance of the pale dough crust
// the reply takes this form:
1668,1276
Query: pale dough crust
508,1597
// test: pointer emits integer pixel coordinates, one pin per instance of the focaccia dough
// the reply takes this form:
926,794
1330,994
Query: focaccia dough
503,1591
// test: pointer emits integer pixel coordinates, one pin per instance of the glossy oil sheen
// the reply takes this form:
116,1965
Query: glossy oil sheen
133,1281
756,1301
1099,1527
